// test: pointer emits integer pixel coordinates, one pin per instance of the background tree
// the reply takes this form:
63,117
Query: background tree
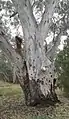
62,58
5,68
62,67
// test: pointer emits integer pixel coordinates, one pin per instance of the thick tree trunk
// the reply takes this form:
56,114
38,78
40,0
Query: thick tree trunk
39,76
35,78
38,70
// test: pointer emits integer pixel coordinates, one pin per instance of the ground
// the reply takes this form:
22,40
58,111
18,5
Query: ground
12,105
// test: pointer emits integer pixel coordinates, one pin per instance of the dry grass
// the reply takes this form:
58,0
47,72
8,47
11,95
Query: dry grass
12,105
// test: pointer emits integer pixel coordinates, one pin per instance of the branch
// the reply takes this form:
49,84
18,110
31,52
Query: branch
47,16
31,12
52,52
15,13
7,48
5,45
17,59
25,12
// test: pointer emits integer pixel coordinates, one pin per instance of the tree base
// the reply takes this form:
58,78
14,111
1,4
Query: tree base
44,101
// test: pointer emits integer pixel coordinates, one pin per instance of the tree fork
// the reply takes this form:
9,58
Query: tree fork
39,70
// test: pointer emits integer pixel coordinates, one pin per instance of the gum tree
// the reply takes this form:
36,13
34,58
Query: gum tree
33,67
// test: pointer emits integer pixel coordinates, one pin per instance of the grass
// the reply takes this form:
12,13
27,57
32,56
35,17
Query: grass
12,105
7,89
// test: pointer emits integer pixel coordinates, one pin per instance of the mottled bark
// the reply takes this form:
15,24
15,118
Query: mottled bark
36,73
13,56
39,71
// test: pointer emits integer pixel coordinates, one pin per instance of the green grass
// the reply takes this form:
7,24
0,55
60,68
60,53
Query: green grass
12,105
9,90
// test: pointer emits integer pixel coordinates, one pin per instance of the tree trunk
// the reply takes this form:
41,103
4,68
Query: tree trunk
38,70
39,75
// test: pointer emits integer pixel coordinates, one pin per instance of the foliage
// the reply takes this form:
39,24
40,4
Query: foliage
5,68
62,67
61,24
8,20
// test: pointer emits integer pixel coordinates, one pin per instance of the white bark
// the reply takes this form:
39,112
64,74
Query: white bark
38,72
52,52
50,6
40,69
12,55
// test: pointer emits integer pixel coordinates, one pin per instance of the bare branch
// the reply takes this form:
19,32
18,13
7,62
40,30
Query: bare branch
15,13
52,52
6,47
25,11
31,12
47,16
15,57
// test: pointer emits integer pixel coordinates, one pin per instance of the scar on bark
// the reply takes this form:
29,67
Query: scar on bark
54,83
18,44
45,46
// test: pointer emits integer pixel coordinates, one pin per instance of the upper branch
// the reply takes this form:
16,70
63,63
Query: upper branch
52,52
47,16
31,13
25,12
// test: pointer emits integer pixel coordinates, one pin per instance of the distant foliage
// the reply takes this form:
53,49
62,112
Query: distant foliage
62,67
5,69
